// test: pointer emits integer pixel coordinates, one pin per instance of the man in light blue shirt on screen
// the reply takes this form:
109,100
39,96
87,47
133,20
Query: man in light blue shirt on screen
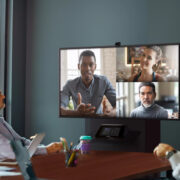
87,91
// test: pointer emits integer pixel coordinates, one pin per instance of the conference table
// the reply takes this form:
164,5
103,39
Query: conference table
104,165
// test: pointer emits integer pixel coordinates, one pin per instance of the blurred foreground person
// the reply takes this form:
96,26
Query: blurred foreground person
6,131
165,151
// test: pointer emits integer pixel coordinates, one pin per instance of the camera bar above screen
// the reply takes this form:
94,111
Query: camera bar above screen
139,82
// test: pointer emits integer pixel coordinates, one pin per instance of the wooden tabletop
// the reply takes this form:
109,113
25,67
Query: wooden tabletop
97,165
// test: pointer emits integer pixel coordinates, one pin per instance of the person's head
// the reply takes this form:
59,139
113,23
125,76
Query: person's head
147,93
150,56
87,66
2,97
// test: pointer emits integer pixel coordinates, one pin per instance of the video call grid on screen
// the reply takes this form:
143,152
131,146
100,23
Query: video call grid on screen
123,67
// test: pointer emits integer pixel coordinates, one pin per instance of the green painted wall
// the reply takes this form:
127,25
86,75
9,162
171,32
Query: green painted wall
18,65
163,21
170,133
164,27
53,24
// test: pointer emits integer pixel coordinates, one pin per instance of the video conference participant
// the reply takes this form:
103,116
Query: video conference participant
148,109
5,129
165,151
149,63
87,91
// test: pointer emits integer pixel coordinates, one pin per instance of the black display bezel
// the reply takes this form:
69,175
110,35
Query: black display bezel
114,46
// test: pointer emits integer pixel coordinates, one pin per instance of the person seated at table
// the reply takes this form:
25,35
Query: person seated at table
165,151
7,130
149,63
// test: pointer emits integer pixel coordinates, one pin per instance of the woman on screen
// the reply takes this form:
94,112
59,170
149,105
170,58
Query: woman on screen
149,63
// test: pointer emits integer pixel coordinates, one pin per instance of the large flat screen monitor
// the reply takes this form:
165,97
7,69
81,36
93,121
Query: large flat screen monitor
120,82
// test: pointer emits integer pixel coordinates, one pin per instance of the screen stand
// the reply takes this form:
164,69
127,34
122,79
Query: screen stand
146,137
23,160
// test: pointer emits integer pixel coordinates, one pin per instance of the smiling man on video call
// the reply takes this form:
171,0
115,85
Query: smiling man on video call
87,91
148,109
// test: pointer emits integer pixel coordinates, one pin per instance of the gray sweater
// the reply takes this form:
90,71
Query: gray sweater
155,111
